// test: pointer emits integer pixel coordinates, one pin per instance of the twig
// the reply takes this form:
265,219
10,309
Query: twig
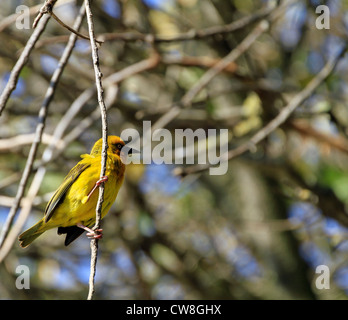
277,121
100,92
71,29
46,8
6,243
193,34
186,36
21,62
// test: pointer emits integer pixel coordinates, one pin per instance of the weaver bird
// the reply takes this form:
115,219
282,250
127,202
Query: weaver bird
72,208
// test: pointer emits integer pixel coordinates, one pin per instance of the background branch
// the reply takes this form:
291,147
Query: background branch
21,62
283,115
5,246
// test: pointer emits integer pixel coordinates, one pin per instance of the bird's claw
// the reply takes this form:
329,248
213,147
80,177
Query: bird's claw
95,234
102,180
92,234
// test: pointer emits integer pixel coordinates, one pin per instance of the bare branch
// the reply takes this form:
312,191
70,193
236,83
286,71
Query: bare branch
71,29
21,62
5,246
186,36
193,34
100,92
46,8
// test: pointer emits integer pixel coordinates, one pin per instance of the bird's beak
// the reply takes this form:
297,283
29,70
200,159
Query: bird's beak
133,151
129,151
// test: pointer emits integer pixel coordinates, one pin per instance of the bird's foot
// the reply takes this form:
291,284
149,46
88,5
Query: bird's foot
92,234
97,184
101,180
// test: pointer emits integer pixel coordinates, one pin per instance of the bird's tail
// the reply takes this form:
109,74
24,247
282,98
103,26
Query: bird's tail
28,236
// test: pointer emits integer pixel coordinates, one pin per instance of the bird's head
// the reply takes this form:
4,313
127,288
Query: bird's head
116,147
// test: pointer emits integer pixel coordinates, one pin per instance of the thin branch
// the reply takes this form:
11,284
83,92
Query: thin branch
6,243
193,34
186,36
46,8
21,62
284,114
71,29
100,92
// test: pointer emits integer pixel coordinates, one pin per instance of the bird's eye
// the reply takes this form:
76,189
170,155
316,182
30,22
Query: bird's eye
119,146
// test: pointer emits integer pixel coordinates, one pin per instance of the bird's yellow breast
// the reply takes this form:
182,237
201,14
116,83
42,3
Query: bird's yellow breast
74,208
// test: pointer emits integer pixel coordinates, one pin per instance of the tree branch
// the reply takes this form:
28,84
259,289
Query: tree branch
100,92
193,34
71,29
21,62
5,246
46,8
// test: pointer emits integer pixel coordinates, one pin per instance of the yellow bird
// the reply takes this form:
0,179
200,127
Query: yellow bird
72,207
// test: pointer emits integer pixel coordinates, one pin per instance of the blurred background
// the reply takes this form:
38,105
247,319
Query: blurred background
257,232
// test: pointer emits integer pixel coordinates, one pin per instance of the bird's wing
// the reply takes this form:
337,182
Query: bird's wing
59,195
